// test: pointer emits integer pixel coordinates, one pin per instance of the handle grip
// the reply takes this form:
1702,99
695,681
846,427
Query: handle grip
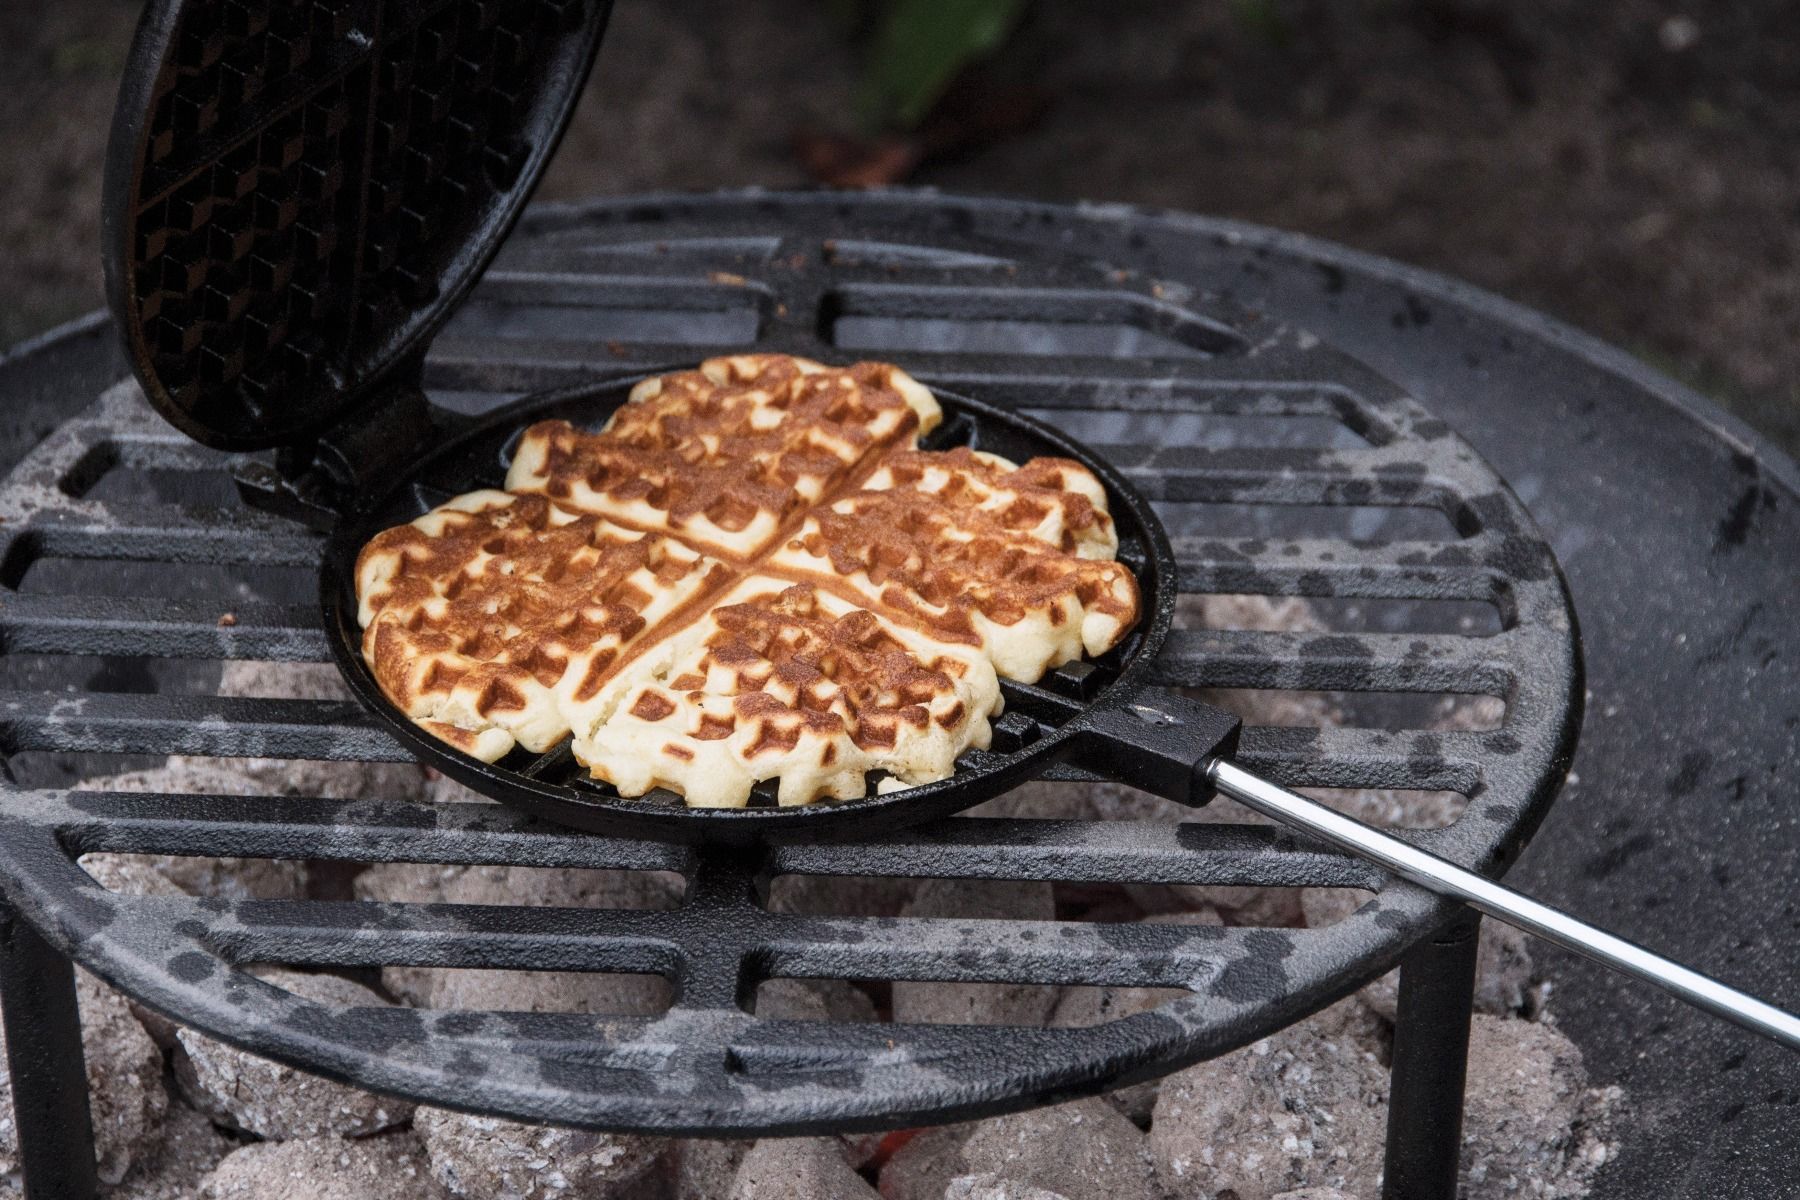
1161,741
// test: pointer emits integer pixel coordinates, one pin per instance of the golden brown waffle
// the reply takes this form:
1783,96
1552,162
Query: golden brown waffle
977,552
724,455
750,573
496,618
783,681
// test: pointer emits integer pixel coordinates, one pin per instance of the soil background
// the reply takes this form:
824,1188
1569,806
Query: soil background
1630,167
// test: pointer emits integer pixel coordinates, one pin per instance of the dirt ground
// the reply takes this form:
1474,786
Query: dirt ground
1630,167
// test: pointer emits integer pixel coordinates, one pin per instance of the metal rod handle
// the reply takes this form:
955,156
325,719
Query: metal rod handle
1447,879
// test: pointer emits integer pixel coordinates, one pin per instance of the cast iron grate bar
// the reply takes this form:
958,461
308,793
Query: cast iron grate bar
109,723
154,627
970,848
1377,662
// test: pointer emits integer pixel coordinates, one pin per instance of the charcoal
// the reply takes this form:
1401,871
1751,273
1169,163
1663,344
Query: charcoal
923,1168
303,777
1305,1106
539,886
390,1167
485,1158
798,1169
703,1168
124,1079
191,1146
988,1186
1266,614
1040,799
282,680
1504,971
272,1100
441,789
1081,1007
601,993
1405,809
992,1004
1083,1150
813,1000
830,895
133,874
1505,975
230,878
1531,1125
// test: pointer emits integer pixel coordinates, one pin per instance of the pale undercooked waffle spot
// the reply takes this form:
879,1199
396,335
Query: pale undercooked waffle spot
750,574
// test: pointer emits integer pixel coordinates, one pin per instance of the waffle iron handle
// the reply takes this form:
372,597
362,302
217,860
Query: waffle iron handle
1158,741
1503,904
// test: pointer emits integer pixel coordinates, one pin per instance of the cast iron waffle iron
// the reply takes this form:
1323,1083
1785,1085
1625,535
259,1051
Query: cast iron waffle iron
216,264
298,195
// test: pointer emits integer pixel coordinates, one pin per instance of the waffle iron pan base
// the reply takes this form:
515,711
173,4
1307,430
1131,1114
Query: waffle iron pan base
1075,710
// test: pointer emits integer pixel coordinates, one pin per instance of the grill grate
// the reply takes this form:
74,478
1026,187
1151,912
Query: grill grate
638,285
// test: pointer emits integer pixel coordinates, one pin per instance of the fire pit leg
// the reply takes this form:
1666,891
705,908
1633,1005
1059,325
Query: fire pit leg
1431,1052
43,1052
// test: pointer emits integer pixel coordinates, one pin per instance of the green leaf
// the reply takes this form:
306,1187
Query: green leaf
920,47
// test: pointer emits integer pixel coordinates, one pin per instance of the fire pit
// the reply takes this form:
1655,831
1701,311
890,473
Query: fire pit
1283,463
483,359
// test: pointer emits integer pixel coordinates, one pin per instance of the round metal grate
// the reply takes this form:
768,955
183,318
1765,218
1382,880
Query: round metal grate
1098,338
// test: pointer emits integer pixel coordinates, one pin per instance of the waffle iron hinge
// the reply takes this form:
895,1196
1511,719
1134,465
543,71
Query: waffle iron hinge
316,481
1160,741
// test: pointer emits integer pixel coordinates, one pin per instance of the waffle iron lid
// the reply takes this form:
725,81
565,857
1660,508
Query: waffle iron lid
300,192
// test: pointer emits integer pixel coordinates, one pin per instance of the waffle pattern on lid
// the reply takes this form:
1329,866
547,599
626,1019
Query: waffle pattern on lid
751,574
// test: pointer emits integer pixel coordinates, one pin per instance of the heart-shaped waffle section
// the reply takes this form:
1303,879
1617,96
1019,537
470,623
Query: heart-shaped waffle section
496,619
751,573
724,456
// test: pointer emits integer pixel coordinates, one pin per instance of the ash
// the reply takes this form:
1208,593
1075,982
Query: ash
1300,1115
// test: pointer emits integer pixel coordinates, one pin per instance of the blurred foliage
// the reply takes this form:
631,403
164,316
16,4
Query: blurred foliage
916,48
88,56
1264,21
